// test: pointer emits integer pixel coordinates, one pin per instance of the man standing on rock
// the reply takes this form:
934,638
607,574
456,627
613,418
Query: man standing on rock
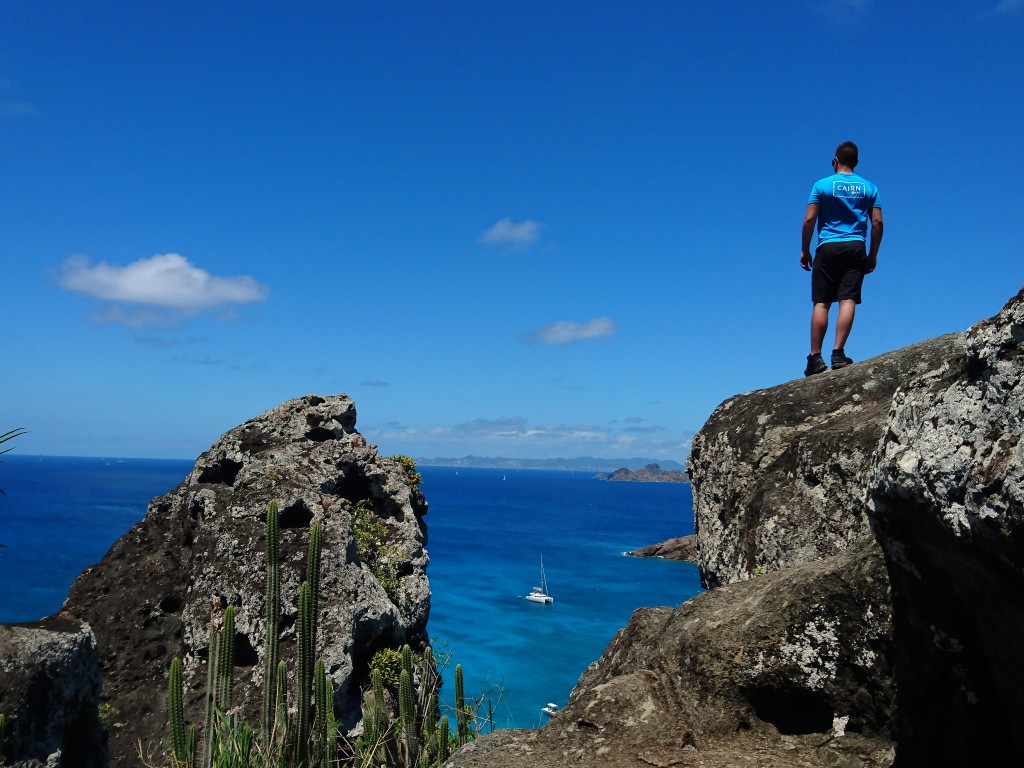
841,204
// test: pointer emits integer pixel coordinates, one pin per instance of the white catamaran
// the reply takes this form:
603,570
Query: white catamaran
540,594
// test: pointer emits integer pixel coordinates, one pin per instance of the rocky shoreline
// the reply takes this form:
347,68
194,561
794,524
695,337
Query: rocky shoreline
682,548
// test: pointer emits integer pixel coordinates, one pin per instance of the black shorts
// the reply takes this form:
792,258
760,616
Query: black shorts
837,272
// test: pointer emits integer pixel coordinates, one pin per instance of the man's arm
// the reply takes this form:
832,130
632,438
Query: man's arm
805,235
876,239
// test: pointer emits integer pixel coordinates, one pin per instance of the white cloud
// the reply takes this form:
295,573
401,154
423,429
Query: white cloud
1009,6
512,234
165,281
567,332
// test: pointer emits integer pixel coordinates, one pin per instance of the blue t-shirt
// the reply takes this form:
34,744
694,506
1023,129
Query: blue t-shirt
844,203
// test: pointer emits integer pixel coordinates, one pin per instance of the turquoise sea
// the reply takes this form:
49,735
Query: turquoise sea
488,529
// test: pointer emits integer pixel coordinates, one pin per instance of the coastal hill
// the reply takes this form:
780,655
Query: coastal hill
649,473
862,535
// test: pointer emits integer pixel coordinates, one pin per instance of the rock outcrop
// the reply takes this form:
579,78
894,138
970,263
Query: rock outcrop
682,548
50,694
881,510
778,475
946,493
201,548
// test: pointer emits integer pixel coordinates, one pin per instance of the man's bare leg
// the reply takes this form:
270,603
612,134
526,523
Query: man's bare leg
819,326
844,322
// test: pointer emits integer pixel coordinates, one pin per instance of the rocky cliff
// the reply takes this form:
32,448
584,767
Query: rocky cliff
200,548
863,532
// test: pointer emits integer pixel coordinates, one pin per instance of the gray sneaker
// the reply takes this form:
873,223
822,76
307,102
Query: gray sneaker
815,365
840,360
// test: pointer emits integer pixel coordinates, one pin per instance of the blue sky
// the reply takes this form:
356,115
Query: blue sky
530,229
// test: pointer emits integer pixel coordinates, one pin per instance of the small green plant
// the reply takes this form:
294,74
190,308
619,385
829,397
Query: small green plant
759,570
388,662
372,545
409,464
108,713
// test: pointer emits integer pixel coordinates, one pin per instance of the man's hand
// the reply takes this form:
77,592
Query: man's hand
872,262
805,260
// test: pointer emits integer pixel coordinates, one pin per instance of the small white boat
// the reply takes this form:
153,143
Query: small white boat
540,594
550,709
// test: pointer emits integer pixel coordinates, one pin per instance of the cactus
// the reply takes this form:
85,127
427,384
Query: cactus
461,713
281,725
407,719
273,618
375,723
176,714
323,696
313,562
212,657
443,745
304,669
226,662
331,746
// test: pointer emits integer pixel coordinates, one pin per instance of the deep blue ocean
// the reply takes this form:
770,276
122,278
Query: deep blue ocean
488,530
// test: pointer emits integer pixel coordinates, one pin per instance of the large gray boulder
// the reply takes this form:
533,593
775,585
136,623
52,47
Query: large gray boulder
778,475
200,548
946,495
50,694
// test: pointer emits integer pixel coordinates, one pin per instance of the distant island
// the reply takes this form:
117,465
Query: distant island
650,473
580,463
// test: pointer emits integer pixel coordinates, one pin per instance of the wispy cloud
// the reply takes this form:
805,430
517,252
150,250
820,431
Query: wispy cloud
511,234
157,290
514,436
1009,6
567,332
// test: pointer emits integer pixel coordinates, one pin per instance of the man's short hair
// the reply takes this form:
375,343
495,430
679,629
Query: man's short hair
846,154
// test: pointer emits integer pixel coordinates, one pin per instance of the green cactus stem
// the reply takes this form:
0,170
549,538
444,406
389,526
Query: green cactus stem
461,713
407,718
443,743
226,662
176,714
273,619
